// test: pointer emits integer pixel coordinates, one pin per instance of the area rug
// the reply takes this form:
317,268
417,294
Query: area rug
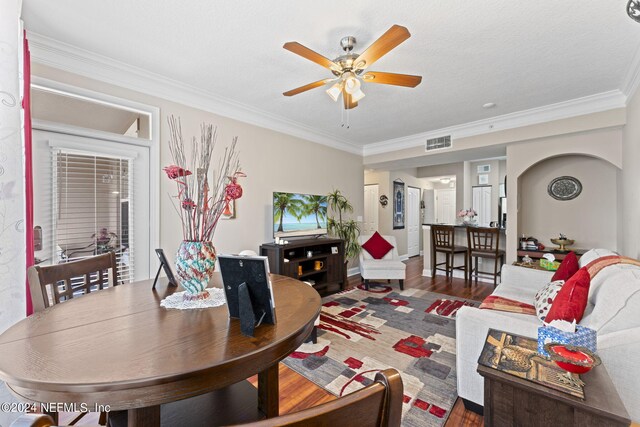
362,332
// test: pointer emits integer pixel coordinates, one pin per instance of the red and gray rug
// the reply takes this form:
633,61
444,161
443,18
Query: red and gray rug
362,332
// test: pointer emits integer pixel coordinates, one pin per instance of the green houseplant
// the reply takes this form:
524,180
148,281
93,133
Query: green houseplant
341,227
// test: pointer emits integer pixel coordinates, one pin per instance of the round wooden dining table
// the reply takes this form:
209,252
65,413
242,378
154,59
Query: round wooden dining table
118,347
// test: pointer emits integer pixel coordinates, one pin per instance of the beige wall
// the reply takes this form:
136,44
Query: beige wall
604,144
456,169
590,219
385,179
585,123
272,161
629,228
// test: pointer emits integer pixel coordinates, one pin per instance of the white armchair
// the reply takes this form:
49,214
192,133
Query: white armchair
388,268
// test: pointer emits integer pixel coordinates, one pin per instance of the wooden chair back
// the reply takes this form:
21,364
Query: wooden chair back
483,239
379,404
442,236
70,279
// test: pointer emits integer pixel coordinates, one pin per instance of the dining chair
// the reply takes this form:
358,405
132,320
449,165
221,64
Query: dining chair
68,280
378,404
54,284
484,242
442,241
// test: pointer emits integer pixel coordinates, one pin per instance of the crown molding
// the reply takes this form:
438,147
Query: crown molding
50,52
576,107
69,58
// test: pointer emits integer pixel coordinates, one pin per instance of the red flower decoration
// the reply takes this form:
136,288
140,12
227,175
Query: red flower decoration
188,204
174,171
233,190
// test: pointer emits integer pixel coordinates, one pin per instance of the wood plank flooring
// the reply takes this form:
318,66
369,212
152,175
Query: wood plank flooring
297,393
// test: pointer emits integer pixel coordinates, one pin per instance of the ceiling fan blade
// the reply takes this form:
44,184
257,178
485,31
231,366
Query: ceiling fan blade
309,54
389,40
307,87
348,102
391,79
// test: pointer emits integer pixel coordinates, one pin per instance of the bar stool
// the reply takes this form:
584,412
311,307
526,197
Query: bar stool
485,243
442,240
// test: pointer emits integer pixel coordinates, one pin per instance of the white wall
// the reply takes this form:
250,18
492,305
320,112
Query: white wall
456,169
272,161
590,219
12,236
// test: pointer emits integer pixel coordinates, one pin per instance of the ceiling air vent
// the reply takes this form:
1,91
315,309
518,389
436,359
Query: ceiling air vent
438,143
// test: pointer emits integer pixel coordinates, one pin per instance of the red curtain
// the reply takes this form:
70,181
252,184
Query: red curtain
28,165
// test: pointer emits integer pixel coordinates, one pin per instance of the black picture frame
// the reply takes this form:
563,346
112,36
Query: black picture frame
398,205
248,290
164,265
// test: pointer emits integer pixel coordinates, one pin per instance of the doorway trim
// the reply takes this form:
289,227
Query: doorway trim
417,213
375,204
153,143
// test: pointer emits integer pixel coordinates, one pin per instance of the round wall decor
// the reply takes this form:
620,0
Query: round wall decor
564,188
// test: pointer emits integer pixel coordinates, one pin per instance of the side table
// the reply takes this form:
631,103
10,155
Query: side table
509,401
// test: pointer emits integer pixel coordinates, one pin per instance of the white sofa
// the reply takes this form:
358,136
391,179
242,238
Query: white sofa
388,268
613,310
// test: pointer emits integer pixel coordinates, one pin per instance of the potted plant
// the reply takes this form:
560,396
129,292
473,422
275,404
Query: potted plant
341,227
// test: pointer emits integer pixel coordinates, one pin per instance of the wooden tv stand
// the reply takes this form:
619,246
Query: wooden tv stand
287,260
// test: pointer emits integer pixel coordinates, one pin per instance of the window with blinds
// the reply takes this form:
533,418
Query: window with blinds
92,213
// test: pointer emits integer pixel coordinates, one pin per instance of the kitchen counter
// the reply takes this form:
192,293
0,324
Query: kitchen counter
502,229
460,238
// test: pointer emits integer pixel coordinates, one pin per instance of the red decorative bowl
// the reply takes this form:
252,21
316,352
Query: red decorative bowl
574,359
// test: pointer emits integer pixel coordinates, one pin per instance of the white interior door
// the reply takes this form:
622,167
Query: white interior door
370,224
80,197
413,221
446,206
482,204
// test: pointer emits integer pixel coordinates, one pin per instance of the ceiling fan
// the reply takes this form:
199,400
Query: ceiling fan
349,68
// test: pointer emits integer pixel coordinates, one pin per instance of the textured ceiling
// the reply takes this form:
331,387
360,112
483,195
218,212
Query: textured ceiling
519,55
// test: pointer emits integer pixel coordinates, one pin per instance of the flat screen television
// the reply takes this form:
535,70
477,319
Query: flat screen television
296,215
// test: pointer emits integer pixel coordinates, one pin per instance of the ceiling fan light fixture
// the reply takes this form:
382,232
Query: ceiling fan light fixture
357,95
335,91
351,83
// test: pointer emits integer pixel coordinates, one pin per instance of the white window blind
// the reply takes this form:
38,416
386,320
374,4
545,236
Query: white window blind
92,211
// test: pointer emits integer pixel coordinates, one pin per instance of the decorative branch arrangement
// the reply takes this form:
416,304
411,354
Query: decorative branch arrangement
199,204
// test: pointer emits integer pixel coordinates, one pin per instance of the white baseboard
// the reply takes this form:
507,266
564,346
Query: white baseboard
421,253
353,271
403,257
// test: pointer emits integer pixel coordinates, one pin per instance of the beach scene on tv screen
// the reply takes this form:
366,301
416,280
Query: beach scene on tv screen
299,214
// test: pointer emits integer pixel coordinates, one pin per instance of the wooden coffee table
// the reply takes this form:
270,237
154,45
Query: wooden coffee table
509,400
118,347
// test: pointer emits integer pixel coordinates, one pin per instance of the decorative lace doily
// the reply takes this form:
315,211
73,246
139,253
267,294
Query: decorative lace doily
216,298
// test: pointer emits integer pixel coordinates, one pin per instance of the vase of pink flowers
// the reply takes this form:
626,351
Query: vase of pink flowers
200,203
468,215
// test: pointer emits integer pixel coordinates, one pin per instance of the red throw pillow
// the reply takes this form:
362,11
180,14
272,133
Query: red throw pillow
567,268
571,301
377,246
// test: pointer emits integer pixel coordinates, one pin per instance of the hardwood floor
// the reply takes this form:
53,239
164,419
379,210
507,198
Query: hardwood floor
297,393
